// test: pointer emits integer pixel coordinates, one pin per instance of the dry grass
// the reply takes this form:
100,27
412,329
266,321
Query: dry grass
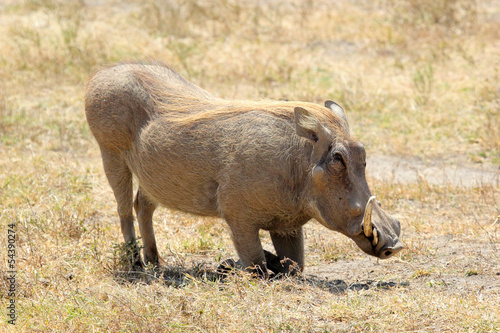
418,78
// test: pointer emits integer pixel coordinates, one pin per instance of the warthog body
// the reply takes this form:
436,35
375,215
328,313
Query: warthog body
258,165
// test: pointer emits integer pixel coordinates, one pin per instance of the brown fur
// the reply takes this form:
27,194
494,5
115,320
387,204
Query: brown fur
247,162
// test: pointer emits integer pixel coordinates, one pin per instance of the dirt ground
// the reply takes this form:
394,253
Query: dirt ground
436,171
448,254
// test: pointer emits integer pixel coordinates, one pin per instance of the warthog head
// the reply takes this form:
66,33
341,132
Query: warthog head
339,195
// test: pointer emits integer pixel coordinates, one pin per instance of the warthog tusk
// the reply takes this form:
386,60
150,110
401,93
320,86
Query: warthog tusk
367,219
375,237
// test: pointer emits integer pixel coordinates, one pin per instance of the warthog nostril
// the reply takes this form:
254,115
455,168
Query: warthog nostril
389,251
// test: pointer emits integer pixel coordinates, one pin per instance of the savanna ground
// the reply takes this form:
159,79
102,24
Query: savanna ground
420,82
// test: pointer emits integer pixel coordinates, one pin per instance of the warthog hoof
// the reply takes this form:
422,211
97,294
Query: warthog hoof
229,266
281,266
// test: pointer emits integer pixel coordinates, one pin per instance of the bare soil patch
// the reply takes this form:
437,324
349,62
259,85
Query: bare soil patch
438,171
454,266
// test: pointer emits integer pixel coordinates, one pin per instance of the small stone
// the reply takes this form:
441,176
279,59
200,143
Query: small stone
45,282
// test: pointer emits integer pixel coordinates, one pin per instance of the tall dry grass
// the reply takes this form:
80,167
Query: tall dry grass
417,77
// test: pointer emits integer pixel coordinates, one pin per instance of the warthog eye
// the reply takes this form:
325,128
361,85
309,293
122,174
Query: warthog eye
337,157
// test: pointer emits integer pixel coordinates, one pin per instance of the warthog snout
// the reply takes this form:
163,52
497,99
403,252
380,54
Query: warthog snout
389,251
382,232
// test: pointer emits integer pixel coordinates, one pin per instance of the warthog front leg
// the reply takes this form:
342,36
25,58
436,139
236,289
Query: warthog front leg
290,253
247,243
144,209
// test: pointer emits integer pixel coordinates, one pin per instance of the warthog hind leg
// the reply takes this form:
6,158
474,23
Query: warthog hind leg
144,209
120,180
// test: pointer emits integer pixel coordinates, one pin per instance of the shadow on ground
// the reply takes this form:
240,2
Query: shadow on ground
180,277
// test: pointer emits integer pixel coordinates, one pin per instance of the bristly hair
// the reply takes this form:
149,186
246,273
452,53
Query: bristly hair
185,102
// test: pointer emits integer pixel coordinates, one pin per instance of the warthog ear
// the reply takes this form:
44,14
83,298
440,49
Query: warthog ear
337,109
307,125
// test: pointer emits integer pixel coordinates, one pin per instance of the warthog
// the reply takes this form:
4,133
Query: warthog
270,165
